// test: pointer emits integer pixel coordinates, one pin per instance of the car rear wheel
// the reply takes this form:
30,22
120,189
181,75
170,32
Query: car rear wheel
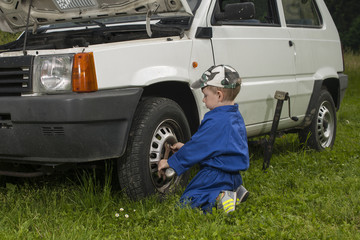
157,121
320,134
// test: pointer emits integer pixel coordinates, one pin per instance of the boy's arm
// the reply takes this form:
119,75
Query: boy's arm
176,146
202,146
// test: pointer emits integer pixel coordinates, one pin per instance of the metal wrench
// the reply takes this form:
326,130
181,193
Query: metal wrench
169,172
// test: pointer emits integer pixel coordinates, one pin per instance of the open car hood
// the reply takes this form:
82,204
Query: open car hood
14,13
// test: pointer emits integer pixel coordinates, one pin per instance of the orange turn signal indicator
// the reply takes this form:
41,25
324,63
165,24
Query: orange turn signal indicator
83,73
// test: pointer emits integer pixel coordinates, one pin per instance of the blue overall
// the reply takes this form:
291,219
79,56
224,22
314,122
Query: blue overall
220,148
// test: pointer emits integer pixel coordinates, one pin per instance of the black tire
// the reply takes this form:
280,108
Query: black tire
321,133
156,120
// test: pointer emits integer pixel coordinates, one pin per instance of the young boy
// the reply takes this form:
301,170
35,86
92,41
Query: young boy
219,146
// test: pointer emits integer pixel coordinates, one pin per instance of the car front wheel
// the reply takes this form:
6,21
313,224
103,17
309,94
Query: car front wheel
157,121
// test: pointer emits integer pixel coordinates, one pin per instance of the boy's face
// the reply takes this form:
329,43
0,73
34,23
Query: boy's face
211,99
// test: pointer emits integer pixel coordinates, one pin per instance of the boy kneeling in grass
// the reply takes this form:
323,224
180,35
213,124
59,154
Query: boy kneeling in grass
219,146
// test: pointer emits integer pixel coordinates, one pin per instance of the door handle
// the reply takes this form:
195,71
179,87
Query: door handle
291,43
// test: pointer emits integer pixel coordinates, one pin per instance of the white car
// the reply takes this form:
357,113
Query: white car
109,80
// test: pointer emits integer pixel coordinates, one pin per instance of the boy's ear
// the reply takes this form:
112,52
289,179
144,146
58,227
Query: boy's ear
220,95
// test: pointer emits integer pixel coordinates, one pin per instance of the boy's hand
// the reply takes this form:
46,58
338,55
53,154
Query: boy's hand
162,166
176,146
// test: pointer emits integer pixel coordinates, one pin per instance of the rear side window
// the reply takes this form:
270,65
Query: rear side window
301,13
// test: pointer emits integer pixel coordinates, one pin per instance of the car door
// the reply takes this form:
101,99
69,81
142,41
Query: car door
261,51
313,46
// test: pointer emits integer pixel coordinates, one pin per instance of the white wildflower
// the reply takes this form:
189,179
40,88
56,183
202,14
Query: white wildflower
117,215
126,215
121,209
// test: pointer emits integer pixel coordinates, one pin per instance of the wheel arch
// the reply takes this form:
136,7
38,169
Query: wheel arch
333,86
179,92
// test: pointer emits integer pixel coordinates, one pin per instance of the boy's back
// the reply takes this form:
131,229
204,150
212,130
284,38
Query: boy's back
220,142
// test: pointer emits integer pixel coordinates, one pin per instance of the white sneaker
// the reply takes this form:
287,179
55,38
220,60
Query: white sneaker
227,201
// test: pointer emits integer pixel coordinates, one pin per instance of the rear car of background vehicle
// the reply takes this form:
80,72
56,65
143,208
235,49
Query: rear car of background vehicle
98,80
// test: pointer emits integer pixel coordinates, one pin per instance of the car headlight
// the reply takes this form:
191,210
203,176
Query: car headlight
53,74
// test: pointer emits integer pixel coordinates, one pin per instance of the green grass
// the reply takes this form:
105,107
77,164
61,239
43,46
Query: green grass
303,195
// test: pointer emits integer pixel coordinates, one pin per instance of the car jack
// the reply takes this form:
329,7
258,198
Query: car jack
269,144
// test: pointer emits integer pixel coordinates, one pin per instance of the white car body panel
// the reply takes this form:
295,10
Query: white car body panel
136,63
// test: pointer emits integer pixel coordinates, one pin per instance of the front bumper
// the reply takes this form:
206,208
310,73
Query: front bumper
69,128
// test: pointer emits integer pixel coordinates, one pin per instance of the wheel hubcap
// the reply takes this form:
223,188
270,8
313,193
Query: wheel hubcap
325,124
164,133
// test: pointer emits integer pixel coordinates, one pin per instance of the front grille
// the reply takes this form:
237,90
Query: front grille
15,75
53,131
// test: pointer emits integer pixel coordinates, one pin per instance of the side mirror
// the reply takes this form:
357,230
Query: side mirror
237,11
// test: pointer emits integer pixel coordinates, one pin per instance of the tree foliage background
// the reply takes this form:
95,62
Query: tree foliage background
347,19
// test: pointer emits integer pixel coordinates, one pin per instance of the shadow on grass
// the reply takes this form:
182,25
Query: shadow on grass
284,143
86,177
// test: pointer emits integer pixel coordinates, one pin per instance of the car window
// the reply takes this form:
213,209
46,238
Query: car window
265,12
301,13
